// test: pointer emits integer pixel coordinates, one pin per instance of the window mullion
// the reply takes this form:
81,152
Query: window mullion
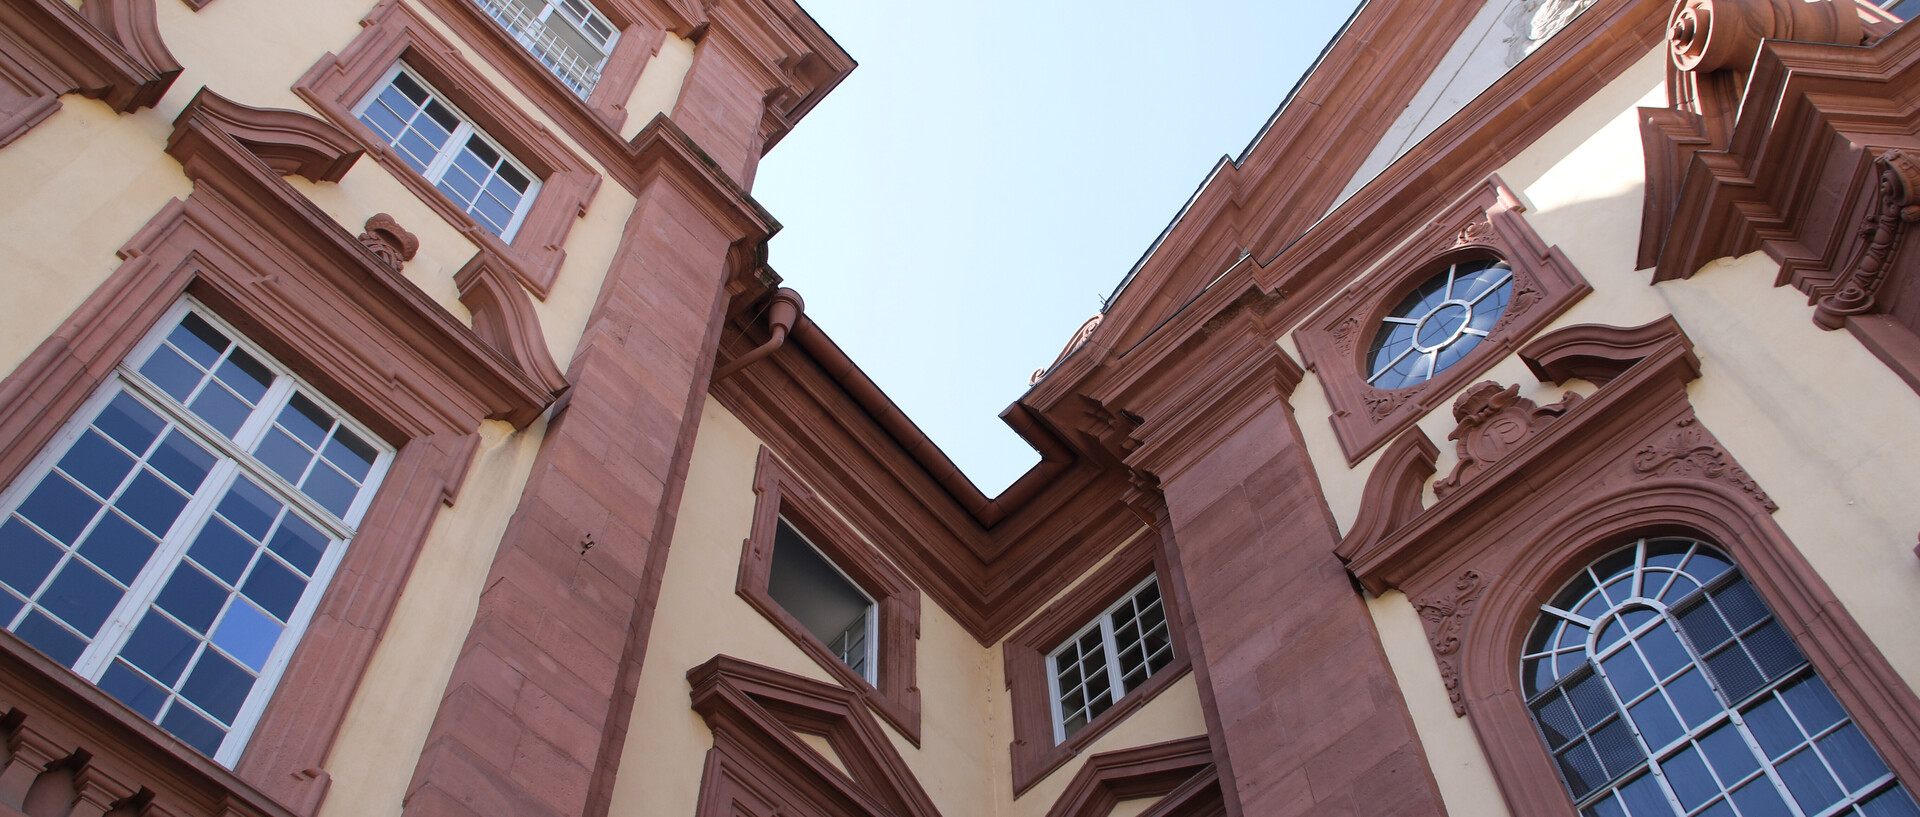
1053,698
262,418
1107,641
456,142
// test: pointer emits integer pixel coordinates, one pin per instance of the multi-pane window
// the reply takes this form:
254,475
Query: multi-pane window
1664,686
1436,325
171,544
828,604
570,37
442,144
1110,657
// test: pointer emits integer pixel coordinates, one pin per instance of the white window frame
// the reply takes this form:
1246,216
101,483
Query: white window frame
234,460
532,33
869,671
1115,674
456,142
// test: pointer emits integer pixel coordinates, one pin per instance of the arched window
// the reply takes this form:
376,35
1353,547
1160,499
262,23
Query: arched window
1664,685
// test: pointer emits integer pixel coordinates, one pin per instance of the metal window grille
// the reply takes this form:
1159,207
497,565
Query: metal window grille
570,37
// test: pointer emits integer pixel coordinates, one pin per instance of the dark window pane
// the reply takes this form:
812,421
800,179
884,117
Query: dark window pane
1720,809
1643,797
352,454
221,409
1628,675
1706,565
514,178
118,548
247,634
1618,752
183,461
1687,774
1591,700
1609,807
136,692
1703,626
1582,769
81,597
192,597
285,456
1729,754
172,373
199,339
1772,727
274,587
44,635
25,558
160,647
1735,672
1694,699
1852,758
96,463
59,507
1759,799
193,730
1656,721
306,420
1894,803
1774,650
217,686
330,488
151,502
1807,778
222,551
249,508
129,422
1813,703
245,375
1742,607
299,543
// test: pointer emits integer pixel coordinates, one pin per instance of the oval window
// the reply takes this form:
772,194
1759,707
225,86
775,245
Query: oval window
1437,324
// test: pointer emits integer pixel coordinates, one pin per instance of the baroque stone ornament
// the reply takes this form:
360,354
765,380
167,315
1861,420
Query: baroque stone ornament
1344,333
1896,204
1382,404
1535,21
1446,616
1474,233
1493,421
1709,35
389,242
1079,339
1688,451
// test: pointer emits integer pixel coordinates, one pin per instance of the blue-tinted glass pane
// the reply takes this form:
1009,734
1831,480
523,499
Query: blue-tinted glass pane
1807,778
1591,700
221,409
1851,757
50,638
25,558
1644,798
118,548
330,488
1609,807
1628,675
381,117
1721,809
1813,704
247,634
1618,752
132,424
250,508
417,152
96,463
1758,799
274,587
1555,716
1772,727
222,550
1735,672
1729,754
245,375
10,606
160,647
1581,769
1740,604
1656,721
1703,627
182,460
81,597
192,597
1694,699
151,502
1687,774
136,692
199,339
59,507
172,373
306,420
1706,565
193,730
285,456
299,543
1894,803
1774,650
217,686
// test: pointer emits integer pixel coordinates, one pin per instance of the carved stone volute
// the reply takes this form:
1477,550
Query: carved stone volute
1896,204
389,241
1711,35
1445,616
1493,421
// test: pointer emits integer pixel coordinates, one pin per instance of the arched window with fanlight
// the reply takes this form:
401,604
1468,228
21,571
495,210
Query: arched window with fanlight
1663,685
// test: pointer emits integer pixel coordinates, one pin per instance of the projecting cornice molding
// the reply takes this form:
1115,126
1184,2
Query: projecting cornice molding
1178,774
110,50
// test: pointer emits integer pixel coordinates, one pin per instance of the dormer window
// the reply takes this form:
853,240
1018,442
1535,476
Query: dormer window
570,37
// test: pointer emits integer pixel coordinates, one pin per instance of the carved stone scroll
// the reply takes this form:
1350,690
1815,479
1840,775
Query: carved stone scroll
1493,421
1689,451
503,317
1709,35
1895,205
1446,616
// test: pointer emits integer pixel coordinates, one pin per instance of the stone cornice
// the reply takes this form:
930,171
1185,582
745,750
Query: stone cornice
111,51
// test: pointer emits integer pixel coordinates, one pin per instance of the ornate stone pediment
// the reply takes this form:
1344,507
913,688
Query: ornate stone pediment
1493,421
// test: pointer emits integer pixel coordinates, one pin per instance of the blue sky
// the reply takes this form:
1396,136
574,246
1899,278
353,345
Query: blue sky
966,199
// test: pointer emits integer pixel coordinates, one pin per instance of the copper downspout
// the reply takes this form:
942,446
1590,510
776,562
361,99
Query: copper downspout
785,309
1055,458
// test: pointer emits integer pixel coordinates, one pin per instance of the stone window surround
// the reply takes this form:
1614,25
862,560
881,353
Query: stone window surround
1035,754
1484,223
393,32
895,694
